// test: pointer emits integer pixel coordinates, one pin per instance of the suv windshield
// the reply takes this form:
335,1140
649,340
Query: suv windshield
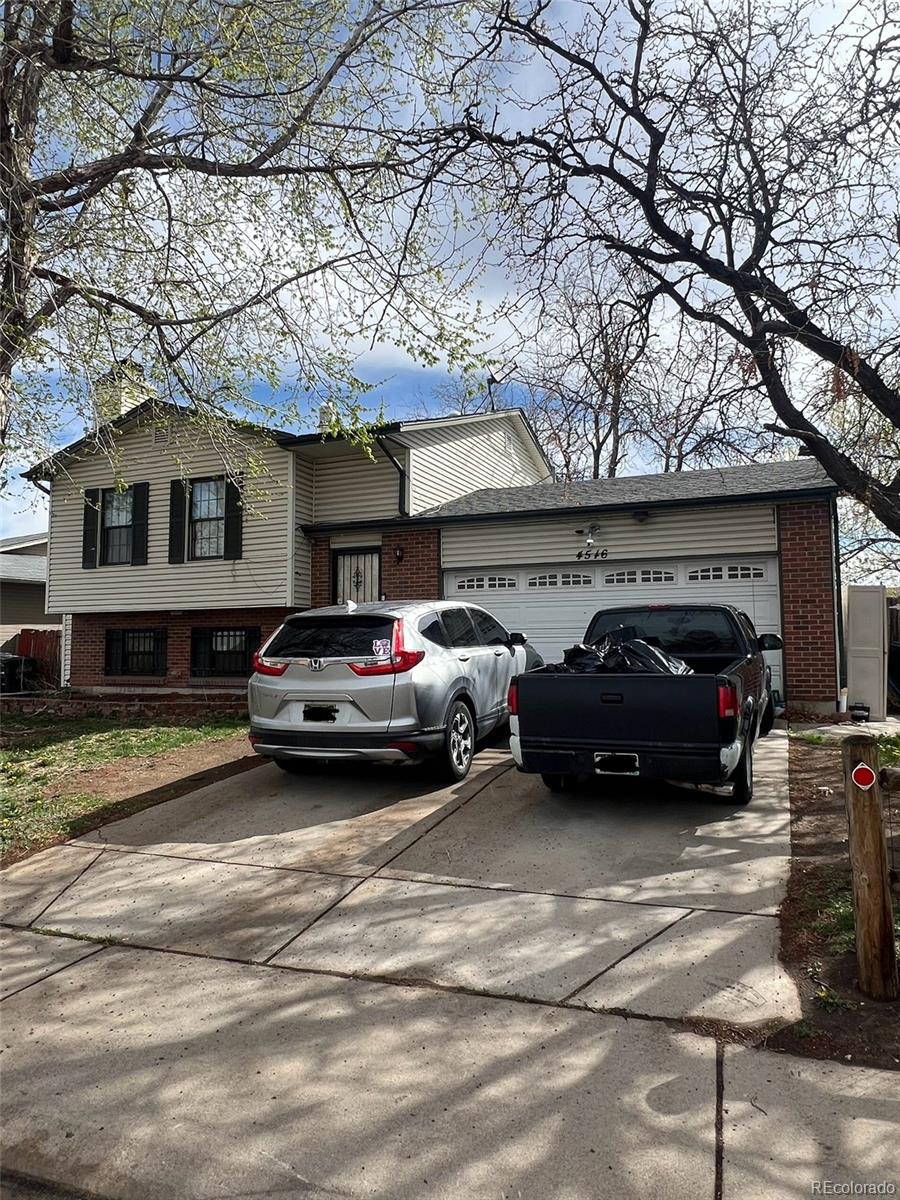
332,637
678,631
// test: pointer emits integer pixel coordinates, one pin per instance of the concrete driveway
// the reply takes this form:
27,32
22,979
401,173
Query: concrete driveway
362,983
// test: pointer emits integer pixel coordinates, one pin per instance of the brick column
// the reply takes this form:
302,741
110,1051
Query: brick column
320,568
805,537
417,576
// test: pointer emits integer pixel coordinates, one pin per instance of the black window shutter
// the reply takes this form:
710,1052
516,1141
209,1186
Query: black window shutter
234,520
177,515
160,652
140,500
115,651
90,528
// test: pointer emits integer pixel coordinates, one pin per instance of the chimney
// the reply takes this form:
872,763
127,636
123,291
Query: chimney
119,390
327,414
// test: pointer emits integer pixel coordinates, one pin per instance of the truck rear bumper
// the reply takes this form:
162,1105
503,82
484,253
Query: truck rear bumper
689,765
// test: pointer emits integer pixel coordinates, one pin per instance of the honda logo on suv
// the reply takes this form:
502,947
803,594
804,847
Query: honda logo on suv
317,664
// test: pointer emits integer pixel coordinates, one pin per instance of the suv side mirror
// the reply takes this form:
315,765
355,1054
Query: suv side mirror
518,639
770,641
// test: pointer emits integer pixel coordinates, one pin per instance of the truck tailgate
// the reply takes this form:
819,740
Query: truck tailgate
618,711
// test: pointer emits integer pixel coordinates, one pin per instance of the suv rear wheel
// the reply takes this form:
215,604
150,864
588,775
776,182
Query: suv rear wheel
459,740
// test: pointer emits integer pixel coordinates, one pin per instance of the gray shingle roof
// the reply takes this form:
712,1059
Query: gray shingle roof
23,568
678,487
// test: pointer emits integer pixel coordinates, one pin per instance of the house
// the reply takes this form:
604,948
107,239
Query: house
23,585
174,581
173,574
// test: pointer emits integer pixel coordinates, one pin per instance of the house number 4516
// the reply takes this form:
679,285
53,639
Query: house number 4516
582,554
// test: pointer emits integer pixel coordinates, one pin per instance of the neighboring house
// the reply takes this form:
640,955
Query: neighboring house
23,585
174,583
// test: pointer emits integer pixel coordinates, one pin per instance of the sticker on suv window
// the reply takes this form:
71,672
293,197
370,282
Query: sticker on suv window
381,647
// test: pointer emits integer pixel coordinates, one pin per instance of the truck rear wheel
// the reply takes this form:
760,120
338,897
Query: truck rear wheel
743,777
557,782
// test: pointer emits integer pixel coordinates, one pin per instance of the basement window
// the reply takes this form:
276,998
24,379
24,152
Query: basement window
217,653
135,652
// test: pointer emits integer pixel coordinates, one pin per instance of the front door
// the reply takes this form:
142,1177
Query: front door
357,576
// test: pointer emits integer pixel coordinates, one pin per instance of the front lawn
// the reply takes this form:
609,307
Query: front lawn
58,774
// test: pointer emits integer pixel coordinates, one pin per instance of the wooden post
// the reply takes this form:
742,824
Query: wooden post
876,953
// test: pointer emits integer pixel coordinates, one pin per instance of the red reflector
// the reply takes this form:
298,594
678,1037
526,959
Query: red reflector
253,738
400,659
512,699
262,666
406,747
863,776
728,701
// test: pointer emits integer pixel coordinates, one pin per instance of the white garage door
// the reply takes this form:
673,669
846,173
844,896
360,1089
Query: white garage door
553,604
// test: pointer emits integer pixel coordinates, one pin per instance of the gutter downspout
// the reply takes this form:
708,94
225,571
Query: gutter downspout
402,506
839,601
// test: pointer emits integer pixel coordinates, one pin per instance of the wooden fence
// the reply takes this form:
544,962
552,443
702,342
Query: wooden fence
43,645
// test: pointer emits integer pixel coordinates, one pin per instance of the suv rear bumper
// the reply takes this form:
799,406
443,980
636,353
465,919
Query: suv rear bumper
379,747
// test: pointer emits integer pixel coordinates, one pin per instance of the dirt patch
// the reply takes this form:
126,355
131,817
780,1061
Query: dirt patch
130,776
816,931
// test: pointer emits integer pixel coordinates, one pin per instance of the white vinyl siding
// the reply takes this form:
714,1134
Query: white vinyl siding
351,487
258,578
453,460
670,533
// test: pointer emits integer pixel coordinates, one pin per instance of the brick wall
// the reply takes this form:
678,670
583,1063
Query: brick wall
320,565
89,644
808,602
417,576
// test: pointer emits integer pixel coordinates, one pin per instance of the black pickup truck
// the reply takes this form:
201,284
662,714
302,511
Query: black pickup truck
697,728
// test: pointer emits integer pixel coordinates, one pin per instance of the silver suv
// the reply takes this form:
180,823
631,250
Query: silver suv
389,682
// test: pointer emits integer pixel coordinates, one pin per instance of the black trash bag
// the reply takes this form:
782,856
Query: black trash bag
618,652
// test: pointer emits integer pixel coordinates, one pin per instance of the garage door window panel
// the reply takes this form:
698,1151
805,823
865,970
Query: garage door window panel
485,583
720,572
552,579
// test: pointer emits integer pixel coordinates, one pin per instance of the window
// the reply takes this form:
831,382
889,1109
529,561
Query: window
483,583
207,519
432,630
116,526
746,571
135,652
223,652
490,630
657,576
719,572
682,631
560,579
706,574
618,577
460,629
332,637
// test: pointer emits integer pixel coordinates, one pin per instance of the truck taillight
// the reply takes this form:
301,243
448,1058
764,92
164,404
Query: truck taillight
728,701
512,699
264,666
400,660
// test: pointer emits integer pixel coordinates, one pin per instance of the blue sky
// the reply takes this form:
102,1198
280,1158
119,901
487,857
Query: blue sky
404,389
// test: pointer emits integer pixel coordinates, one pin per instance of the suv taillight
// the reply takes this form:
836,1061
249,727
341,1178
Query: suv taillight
728,701
400,660
264,666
